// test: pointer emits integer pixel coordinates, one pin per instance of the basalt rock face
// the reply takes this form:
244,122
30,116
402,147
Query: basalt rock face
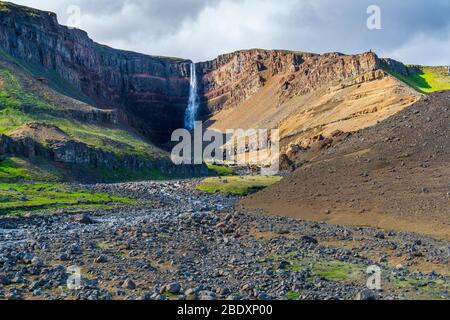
399,67
151,92
56,146
232,78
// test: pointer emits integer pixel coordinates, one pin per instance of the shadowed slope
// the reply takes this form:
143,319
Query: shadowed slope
394,175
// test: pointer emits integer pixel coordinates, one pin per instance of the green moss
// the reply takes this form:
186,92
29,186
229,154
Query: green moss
241,186
16,199
337,271
18,170
105,245
429,79
292,295
4,7
220,170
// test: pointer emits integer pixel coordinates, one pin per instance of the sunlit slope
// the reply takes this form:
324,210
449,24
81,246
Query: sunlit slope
332,107
27,99
429,79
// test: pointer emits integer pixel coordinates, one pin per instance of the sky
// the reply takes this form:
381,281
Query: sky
412,31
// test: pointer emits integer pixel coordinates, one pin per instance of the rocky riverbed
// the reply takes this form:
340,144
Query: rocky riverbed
180,243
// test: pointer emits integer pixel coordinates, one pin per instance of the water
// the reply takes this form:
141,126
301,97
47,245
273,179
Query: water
193,104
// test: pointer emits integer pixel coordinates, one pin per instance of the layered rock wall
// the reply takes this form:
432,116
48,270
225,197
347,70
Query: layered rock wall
76,153
151,91
232,78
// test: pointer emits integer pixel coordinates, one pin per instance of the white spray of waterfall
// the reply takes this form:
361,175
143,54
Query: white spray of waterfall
193,104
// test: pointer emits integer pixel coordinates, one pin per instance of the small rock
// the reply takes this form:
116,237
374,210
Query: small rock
425,190
191,296
36,261
221,225
309,239
14,294
173,288
4,280
38,292
129,284
366,294
146,296
101,259
27,258
83,218
206,296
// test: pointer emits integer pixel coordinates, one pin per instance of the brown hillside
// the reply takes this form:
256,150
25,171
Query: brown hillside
40,132
395,175
303,95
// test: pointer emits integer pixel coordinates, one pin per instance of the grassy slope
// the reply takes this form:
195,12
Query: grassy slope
241,186
221,171
13,170
19,106
13,98
16,199
33,185
431,79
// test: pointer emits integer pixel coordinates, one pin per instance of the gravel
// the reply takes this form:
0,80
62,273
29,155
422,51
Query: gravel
180,243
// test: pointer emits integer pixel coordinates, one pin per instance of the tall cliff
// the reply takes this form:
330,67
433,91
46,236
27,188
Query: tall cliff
150,91
266,88
232,78
305,95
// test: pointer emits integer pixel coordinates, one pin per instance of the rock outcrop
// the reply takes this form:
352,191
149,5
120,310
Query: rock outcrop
151,91
304,95
232,78
47,141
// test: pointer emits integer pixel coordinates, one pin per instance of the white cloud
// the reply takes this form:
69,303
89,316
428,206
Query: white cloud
225,28
423,50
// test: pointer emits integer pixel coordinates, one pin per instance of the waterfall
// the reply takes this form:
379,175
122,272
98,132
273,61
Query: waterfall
193,104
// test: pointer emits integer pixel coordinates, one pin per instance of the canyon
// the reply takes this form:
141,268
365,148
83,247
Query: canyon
314,100
142,87
363,180
303,95
248,88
